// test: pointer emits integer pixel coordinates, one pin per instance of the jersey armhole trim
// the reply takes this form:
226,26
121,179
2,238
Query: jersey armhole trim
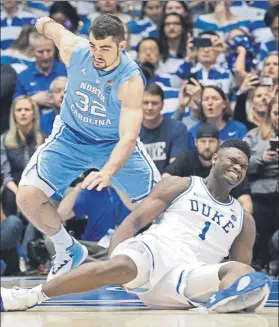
186,191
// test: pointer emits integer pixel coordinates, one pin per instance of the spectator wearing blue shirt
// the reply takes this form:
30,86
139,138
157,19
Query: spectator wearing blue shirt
222,20
148,57
12,21
57,90
215,109
148,24
36,79
208,71
164,138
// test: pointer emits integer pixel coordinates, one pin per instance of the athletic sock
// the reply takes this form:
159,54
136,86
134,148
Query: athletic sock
41,295
62,240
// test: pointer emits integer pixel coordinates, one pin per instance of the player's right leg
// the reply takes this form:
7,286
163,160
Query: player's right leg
53,167
118,271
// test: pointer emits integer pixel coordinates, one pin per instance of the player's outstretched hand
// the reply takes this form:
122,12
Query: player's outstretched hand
96,180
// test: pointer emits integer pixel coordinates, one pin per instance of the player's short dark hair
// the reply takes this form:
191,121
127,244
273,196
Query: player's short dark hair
271,14
238,144
108,25
155,89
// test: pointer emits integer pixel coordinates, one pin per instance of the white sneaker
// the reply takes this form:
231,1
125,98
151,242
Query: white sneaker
65,261
19,299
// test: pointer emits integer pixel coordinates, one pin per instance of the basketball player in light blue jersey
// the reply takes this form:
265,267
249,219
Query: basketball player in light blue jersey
98,127
178,262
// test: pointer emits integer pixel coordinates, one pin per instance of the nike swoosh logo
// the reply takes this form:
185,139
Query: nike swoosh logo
232,133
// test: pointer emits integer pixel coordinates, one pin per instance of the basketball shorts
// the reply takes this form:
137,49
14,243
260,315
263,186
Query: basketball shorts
164,279
66,154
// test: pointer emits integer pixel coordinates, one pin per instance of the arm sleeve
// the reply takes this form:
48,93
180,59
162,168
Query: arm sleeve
179,140
5,164
255,163
178,114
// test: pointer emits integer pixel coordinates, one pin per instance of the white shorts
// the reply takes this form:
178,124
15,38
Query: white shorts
164,282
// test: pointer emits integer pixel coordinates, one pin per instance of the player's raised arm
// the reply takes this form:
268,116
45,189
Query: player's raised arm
242,247
157,202
63,39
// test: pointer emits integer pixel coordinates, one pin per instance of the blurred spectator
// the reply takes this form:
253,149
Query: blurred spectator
102,220
252,102
110,7
207,70
263,175
57,91
20,54
182,9
198,163
36,79
270,67
65,14
163,138
222,20
216,109
148,24
172,38
254,11
271,20
131,8
8,85
12,20
17,147
11,229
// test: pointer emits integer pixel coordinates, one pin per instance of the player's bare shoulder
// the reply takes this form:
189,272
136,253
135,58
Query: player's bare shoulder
132,89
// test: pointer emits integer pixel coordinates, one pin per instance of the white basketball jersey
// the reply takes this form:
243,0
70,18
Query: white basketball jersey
197,221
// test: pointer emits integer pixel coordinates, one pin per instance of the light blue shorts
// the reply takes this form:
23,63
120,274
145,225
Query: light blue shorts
66,154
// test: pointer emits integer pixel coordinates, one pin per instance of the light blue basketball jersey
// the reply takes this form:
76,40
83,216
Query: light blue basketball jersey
91,106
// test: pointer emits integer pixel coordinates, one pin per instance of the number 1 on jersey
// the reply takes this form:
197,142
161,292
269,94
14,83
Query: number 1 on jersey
205,230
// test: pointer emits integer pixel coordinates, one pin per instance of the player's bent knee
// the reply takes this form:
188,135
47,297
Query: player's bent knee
238,268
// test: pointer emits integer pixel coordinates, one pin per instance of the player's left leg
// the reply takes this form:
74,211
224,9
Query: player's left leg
118,270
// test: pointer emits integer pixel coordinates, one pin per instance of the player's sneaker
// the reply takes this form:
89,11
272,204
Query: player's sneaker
19,299
65,261
249,292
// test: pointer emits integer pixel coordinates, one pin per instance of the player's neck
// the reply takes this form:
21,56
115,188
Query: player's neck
218,188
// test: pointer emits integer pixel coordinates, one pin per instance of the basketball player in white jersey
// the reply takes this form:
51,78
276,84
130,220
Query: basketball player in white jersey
177,262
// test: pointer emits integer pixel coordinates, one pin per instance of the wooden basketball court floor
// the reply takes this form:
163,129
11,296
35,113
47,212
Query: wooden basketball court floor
113,307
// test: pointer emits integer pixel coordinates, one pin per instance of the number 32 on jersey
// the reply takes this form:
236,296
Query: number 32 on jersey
95,108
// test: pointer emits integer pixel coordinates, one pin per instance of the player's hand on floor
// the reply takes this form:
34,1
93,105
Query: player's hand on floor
96,180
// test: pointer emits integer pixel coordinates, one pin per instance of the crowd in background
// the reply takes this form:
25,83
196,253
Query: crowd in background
211,69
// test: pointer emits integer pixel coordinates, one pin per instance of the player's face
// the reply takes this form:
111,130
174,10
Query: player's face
58,92
208,55
231,164
23,113
149,52
151,106
105,53
172,27
270,68
44,53
260,99
175,6
206,147
212,103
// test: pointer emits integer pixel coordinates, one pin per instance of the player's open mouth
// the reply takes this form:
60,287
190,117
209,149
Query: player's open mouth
99,61
234,175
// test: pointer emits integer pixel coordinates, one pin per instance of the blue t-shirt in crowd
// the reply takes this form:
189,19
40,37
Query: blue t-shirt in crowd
169,140
232,130
104,210
32,81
